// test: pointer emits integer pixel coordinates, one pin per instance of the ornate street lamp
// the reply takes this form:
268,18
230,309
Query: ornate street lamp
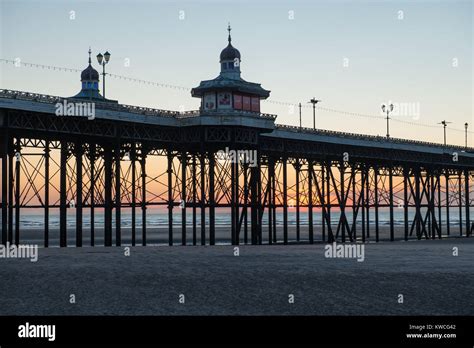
103,59
387,109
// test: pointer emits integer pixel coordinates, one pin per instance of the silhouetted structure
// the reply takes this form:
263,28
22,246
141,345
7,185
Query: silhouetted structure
103,164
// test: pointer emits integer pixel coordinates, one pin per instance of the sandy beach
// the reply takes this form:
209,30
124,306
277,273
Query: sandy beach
257,282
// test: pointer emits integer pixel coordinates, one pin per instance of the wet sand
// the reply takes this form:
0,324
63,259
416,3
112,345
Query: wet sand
159,236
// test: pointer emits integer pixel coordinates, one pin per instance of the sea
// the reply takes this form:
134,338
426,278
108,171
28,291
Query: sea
158,218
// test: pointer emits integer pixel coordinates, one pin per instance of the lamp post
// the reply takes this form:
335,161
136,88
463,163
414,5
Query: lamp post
465,135
300,117
314,101
444,123
103,59
387,109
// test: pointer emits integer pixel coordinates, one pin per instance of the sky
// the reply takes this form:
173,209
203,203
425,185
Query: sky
353,55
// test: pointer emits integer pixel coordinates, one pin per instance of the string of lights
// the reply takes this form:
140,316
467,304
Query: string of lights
150,83
18,63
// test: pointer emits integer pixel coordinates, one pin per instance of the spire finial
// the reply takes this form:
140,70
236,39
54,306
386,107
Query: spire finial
90,55
229,29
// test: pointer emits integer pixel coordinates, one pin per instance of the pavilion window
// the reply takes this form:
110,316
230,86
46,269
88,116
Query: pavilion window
237,102
255,104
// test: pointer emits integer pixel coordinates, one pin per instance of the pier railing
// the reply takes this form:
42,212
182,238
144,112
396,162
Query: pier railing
49,99
373,138
194,113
